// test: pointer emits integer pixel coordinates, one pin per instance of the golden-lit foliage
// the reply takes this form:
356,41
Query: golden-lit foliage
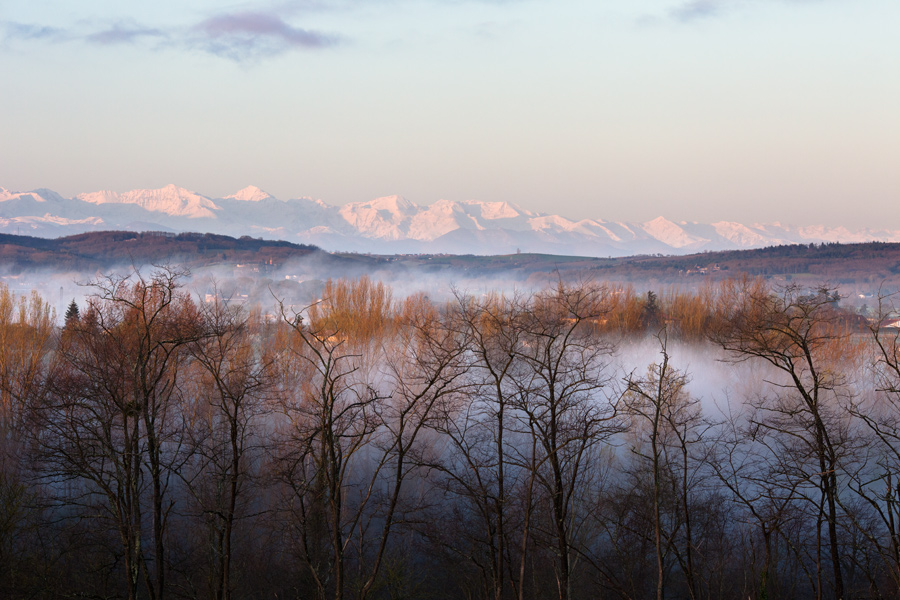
26,330
689,314
417,319
353,310
626,311
233,358
416,308
490,315
154,308
130,341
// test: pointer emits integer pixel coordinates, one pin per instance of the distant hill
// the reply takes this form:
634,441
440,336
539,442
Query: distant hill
105,249
867,266
864,267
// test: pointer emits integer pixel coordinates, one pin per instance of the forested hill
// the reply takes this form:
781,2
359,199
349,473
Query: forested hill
869,264
108,248
837,262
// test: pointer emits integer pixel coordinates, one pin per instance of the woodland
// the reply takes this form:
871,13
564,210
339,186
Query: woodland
864,267
491,447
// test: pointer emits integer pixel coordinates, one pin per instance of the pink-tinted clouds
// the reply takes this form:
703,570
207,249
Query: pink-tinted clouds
239,36
248,35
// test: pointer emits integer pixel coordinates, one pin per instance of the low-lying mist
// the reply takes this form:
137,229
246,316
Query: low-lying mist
297,283
304,431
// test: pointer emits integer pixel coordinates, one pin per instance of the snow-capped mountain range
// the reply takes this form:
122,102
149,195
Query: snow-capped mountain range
392,224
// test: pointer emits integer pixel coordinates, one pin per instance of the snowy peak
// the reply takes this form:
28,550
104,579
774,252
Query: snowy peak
382,218
552,223
739,235
396,205
671,233
250,193
315,202
496,210
101,197
7,195
440,218
392,224
171,200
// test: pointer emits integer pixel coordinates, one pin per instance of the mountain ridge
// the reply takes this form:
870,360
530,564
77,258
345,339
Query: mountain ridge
395,225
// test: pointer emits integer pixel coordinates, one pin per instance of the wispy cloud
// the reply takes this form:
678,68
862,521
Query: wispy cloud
238,36
696,9
121,33
688,11
242,36
249,35
29,31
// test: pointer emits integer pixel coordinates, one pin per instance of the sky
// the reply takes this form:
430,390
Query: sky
700,110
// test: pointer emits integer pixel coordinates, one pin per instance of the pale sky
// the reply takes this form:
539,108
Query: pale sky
707,110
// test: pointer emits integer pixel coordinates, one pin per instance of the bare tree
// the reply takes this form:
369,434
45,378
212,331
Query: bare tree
232,379
478,478
109,418
562,406
356,419
667,425
804,338
874,479
333,415
424,369
747,462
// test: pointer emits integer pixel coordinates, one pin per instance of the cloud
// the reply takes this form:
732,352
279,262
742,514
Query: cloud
238,36
248,35
29,31
124,34
696,9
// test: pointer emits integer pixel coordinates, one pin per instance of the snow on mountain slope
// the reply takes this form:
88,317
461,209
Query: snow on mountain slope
739,235
171,200
497,210
48,218
553,223
499,215
671,234
385,218
7,196
563,231
250,194
605,228
440,218
843,235
628,232
49,225
394,224
53,220
271,216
